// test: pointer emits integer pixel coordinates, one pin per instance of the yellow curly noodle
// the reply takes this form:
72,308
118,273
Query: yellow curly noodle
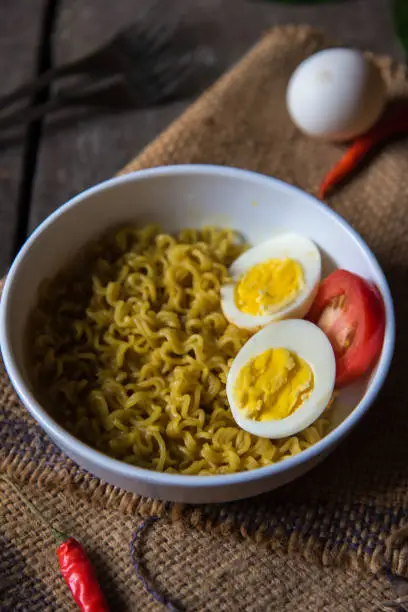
130,352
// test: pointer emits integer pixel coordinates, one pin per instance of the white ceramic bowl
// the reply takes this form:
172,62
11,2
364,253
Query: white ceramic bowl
177,197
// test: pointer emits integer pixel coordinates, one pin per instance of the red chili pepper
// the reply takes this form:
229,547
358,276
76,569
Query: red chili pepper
386,128
76,568
79,575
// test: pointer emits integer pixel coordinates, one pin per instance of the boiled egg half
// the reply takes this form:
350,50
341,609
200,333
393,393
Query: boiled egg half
282,379
274,280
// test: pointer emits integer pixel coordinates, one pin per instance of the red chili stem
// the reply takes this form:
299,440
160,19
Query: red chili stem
59,535
75,566
386,128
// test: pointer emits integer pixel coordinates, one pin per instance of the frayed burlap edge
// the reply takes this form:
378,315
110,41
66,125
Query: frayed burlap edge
389,555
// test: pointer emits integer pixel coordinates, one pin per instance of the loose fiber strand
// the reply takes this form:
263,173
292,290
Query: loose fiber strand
136,555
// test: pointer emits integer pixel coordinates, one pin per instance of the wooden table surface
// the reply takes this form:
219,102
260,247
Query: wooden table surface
47,163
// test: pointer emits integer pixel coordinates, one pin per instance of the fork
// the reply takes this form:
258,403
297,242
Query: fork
139,65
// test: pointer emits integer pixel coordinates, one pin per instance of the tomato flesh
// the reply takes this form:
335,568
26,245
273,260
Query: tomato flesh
351,312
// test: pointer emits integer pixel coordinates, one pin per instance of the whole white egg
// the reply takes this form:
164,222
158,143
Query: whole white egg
336,94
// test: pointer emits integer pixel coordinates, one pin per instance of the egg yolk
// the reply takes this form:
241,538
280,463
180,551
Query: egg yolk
269,286
273,385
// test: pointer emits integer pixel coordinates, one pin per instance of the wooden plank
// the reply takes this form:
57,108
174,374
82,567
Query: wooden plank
20,24
92,149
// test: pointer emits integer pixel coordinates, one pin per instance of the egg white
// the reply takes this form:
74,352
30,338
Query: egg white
308,342
293,246
336,94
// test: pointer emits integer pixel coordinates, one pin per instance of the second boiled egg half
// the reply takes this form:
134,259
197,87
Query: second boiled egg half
282,379
277,279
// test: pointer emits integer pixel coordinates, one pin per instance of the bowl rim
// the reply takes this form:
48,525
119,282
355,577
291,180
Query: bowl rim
122,469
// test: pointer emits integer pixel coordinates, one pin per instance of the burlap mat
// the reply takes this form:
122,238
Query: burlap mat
199,571
351,510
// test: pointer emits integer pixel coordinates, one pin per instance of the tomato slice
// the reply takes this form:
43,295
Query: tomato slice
351,312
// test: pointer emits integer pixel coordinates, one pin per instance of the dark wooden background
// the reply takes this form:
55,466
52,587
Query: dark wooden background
45,164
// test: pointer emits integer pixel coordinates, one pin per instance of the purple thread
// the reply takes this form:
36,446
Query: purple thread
140,569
